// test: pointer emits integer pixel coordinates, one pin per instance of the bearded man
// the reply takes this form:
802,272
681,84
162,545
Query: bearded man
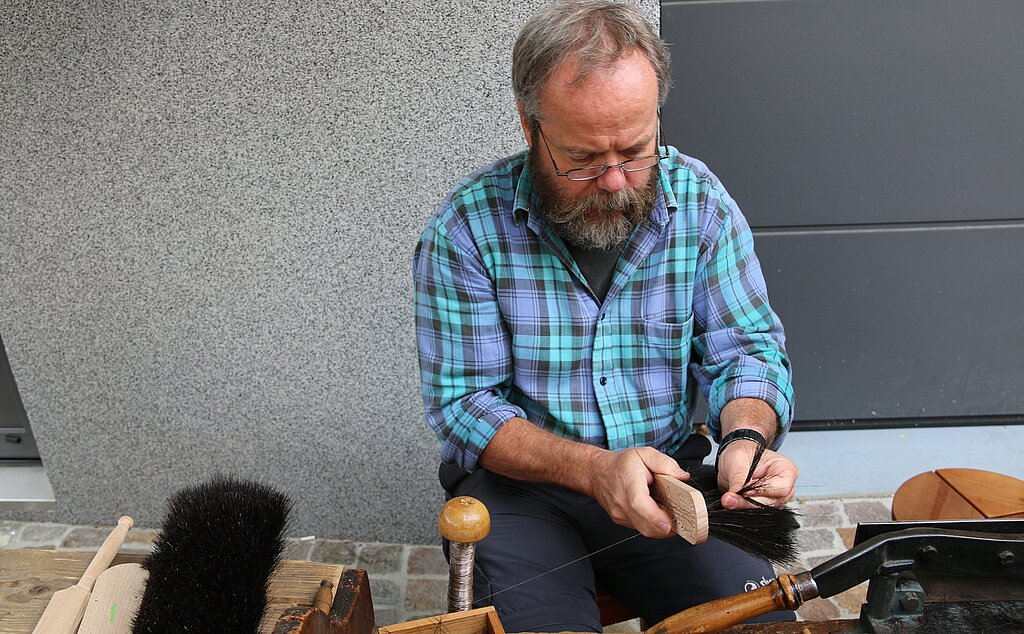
570,299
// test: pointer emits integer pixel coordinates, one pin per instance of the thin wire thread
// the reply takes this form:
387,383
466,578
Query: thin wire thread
757,458
460,579
588,555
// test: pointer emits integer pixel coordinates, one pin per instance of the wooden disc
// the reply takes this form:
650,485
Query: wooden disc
926,496
993,494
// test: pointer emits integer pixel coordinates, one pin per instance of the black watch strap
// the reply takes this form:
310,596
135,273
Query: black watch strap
740,434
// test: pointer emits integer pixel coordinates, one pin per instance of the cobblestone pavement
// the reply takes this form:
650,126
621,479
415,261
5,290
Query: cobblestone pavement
409,581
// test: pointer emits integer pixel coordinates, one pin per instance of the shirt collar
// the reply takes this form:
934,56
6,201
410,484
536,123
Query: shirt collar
524,204
667,201
524,193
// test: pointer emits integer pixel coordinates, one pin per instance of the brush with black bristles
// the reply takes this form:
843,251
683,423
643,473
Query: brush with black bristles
696,508
213,559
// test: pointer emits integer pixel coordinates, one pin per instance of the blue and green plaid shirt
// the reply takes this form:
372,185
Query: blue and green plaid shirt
508,326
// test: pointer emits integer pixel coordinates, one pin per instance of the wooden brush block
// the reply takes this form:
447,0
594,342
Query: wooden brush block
958,494
685,505
296,583
350,612
305,621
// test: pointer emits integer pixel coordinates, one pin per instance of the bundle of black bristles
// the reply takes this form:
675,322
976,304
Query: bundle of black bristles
764,531
211,564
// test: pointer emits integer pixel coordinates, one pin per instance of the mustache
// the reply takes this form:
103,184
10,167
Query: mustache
599,203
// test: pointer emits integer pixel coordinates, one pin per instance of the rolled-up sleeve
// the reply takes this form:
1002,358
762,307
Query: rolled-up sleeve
739,341
464,347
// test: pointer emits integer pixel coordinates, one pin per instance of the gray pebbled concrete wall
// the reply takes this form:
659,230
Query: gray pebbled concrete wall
207,214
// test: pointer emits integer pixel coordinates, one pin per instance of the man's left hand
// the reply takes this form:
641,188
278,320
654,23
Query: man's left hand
777,475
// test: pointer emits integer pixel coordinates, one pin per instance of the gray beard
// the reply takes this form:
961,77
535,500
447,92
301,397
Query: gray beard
598,221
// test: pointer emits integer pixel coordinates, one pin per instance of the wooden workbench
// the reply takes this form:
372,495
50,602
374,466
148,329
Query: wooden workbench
28,578
485,621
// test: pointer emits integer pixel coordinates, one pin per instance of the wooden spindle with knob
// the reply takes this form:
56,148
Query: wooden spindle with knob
464,521
324,597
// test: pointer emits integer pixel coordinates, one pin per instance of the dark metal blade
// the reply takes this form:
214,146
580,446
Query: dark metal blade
934,549
1006,526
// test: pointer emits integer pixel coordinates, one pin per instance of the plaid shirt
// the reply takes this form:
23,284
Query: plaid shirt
507,325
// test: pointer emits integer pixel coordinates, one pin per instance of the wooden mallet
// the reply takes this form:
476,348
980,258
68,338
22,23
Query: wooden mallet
64,612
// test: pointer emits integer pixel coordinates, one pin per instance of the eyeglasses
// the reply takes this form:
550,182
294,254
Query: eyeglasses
595,171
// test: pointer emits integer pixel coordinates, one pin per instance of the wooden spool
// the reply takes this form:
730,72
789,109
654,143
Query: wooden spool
464,521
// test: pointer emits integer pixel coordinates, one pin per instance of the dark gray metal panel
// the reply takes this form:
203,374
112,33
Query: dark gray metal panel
821,112
16,439
922,322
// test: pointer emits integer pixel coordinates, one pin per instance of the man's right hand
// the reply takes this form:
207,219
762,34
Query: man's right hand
621,481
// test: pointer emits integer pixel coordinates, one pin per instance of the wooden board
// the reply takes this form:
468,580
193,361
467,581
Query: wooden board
801,627
115,600
949,494
485,621
64,612
28,578
993,494
926,496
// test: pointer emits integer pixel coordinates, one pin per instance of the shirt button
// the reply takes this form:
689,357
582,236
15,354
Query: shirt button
604,380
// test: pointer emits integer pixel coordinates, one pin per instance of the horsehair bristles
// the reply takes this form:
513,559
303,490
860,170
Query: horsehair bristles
753,465
211,564
764,531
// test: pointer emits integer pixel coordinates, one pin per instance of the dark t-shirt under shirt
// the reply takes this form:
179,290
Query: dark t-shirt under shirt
597,265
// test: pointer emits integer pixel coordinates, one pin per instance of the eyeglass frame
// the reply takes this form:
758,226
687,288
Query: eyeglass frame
621,165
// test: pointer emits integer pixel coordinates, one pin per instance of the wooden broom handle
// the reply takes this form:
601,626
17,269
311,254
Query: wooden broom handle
787,592
106,553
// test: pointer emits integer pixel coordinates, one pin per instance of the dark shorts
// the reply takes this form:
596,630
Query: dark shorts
536,528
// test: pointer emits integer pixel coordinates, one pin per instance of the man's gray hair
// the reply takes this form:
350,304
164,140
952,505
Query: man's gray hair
594,33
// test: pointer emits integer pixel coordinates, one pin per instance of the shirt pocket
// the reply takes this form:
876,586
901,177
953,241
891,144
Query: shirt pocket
661,379
667,339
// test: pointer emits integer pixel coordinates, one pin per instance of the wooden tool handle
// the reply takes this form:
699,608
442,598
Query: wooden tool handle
324,597
787,592
106,553
464,520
